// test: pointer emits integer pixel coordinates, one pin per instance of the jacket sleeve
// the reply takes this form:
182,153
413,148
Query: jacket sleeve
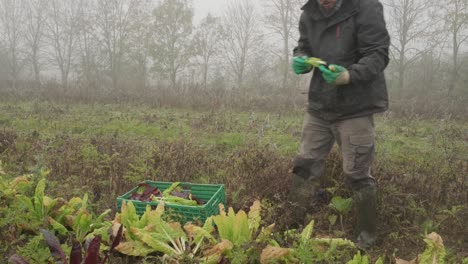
303,48
373,42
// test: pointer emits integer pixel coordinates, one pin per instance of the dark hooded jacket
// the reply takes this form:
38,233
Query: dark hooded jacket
354,37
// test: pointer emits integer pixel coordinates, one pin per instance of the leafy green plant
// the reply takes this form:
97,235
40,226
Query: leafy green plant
435,250
84,223
37,207
342,207
359,259
364,259
302,248
92,253
380,260
315,250
151,233
332,221
35,251
9,189
73,216
240,239
239,227
129,218
59,214
236,230
433,254
130,221
11,217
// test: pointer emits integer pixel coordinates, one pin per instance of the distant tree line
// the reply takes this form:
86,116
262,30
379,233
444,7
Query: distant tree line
139,45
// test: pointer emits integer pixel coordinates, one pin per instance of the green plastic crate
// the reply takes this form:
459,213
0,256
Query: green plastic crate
211,194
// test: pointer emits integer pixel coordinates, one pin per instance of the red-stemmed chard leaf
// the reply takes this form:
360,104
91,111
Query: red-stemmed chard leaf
115,243
117,238
16,259
76,256
92,254
54,247
145,193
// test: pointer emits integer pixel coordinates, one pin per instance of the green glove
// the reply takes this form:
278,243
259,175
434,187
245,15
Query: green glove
300,65
335,74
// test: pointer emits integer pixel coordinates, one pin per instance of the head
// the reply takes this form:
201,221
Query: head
328,4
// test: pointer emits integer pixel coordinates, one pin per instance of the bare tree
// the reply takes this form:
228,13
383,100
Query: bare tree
207,42
12,38
172,33
456,19
35,22
62,32
242,34
409,22
282,19
139,46
88,45
113,21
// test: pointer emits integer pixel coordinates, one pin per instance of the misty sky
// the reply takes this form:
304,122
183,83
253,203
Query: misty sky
215,7
202,7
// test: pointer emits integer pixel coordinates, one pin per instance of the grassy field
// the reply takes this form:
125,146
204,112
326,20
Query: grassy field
421,165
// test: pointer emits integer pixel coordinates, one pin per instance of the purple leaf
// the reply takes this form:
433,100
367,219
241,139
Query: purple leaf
117,238
145,192
54,246
76,256
92,254
16,259
116,242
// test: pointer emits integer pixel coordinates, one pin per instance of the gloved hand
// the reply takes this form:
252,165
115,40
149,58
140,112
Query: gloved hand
300,65
335,74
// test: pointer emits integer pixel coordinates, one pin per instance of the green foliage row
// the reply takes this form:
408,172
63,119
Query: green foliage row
104,150
237,237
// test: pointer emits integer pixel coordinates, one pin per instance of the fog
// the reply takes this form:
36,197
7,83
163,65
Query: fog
109,46
101,98
203,7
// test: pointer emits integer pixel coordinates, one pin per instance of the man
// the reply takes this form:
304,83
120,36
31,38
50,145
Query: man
351,36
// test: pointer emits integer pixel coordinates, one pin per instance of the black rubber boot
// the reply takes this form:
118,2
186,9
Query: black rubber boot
366,205
300,197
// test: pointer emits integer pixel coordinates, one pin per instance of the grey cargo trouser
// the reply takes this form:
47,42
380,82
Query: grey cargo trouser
355,137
